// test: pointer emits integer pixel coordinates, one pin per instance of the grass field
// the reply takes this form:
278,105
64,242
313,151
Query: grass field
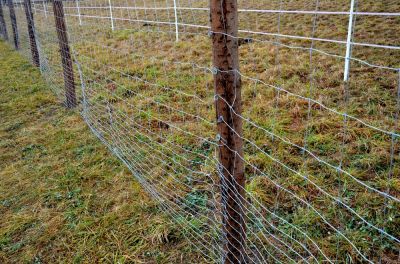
63,197
141,92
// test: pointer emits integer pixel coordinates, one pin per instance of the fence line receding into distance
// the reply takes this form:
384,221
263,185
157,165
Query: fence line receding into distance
268,133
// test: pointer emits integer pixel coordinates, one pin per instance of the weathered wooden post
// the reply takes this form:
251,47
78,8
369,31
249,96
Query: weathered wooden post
3,25
65,53
227,83
14,23
31,32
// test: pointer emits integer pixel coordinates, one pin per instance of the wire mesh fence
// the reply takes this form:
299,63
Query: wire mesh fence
315,125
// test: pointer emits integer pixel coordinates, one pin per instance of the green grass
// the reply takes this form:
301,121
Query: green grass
63,197
111,60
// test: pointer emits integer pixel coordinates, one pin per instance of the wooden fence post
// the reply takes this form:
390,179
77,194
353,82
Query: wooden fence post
14,23
227,83
68,71
31,32
3,25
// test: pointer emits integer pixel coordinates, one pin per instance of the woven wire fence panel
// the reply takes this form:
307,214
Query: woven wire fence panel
320,98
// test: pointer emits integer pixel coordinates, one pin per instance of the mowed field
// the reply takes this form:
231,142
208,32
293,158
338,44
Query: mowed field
63,197
314,144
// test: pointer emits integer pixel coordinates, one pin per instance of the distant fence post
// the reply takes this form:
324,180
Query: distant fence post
13,23
3,25
227,83
65,52
44,8
31,32
78,8
111,15
176,22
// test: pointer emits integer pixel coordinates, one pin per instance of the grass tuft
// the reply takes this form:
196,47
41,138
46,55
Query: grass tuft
63,197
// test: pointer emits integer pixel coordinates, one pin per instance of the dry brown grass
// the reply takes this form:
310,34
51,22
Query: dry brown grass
112,59
63,197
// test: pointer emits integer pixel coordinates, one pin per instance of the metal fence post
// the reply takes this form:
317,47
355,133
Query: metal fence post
3,25
111,14
68,71
31,32
227,83
349,40
14,23
44,8
79,11
176,22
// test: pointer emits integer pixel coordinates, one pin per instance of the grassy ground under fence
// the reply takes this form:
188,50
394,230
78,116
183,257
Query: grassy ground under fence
63,197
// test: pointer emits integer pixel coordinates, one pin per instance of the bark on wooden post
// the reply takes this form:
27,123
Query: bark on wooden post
65,53
31,31
3,26
227,83
14,23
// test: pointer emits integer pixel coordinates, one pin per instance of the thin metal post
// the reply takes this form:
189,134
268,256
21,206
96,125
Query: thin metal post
176,22
3,26
44,8
349,40
111,15
227,83
31,32
78,8
14,25
61,28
